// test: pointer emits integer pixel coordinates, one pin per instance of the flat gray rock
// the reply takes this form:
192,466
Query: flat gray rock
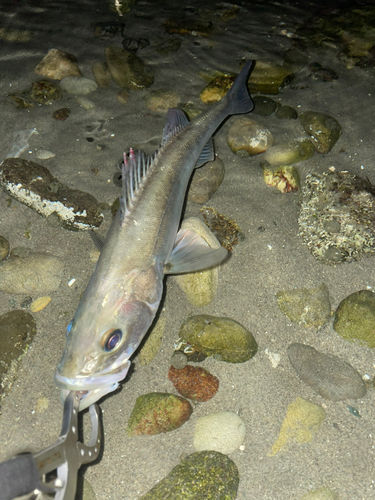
329,376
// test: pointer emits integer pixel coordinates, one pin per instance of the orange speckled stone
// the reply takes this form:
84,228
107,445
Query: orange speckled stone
194,382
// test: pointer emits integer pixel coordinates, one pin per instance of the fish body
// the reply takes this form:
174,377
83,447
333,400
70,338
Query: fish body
142,245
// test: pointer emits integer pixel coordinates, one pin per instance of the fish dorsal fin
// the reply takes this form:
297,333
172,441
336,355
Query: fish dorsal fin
176,121
192,253
207,154
97,240
134,171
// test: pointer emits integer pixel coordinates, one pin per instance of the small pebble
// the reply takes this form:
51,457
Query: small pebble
39,304
4,248
78,85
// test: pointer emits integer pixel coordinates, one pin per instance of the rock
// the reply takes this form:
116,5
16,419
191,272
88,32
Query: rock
223,431
178,360
224,228
206,181
33,185
320,494
41,92
317,72
61,114
13,35
263,106
194,383
200,476
123,96
195,26
58,65
168,46
223,338
200,287
128,70
4,248
134,44
17,330
216,89
102,74
78,85
33,274
85,103
323,130
249,136
329,376
355,318
267,78
158,412
309,307
286,113
160,101
44,154
151,346
303,419
285,179
295,59
336,221
39,304
288,153
108,29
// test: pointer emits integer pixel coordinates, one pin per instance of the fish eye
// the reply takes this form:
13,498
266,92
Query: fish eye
112,340
69,328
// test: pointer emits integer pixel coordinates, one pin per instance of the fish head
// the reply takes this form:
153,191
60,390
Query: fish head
102,337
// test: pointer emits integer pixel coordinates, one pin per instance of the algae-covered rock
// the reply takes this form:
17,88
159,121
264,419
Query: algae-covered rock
286,113
323,130
223,227
303,419
355,318
329,376
267,78
4,248
217,88
200,287
223,338
289,153
285,179
309,307
322,493
194,382
264,106
17,330
204,475
128,70
153,342
158,412
246,135
206,181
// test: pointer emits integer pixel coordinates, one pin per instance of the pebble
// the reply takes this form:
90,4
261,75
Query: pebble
246,135
128,70
34,186
309,307
39,304
221,337
179,360
194,382
263,106
44,154
223,227
329,376
289,153
61,114
303,419
286,113
202,475
17,330
323,130
206,180
102,74
123,96
58,65
222,431
285,179
160,101
216,89
322,493
355,318
34,274
85,103
200,287
267,78
4,248
78,85
158,412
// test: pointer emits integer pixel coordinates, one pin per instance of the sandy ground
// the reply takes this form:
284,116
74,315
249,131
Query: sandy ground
341,455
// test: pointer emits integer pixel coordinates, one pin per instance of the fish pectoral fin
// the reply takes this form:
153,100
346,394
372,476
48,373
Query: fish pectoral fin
192,253
97,240
176,121
207,154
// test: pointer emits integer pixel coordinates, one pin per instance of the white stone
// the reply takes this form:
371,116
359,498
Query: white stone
78,85
223,431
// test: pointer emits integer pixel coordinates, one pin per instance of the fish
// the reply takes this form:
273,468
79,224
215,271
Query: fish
143,244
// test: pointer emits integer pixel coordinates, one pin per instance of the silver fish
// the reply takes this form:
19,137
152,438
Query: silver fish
142,245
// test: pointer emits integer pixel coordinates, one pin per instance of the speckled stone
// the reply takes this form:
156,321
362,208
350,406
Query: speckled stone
204,475
128,70
323,130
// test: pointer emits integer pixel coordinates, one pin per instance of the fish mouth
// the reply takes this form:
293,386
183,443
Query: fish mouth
91,389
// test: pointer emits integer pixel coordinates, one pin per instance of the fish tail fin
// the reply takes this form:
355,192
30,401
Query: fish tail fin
238,96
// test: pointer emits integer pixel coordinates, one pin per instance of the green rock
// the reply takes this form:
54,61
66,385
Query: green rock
286,113
309,307
17,330
323,130
4,248
355,318
289,153
268,78
204,475
320,494
158,412
263,106
128,70
223,338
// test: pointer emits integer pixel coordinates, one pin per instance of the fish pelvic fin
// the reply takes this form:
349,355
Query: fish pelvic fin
192,253
238,97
